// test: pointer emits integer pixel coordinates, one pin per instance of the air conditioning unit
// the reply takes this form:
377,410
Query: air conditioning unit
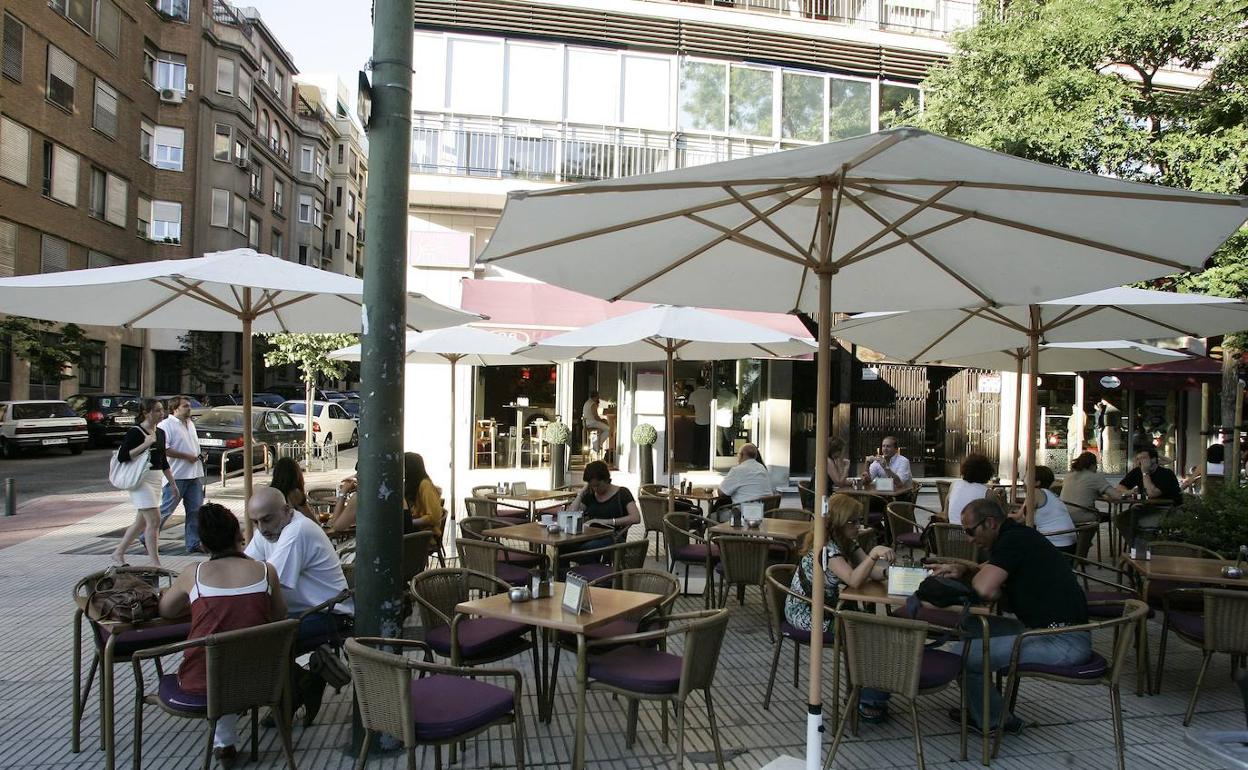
171,96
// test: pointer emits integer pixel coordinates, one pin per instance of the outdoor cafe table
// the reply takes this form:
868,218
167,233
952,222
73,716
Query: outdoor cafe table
890,495
536,534
609,604
794,532
534,496
700,495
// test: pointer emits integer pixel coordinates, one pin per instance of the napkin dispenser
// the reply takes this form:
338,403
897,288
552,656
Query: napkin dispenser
884,485
752,511
571,522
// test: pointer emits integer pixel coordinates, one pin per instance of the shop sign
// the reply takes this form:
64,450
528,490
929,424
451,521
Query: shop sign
1110,381
989,383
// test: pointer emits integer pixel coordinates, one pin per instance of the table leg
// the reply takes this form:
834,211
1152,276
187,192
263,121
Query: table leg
108,718
519,438
546,699
578,748
1143,660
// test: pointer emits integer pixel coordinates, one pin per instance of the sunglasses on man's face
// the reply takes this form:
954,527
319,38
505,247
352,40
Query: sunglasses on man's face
970,531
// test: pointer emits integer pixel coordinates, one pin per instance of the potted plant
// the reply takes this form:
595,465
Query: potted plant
558,433
1216,522
644,436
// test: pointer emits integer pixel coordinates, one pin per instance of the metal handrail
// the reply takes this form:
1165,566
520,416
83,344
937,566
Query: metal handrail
225,461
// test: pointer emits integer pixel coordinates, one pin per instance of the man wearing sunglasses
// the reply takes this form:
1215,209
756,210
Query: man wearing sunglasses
1033,580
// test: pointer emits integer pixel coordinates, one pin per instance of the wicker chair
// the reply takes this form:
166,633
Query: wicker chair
806,494
1175,548
1223,627
1096,671
114,643
653,509
425,704
769,501
491,559
942,493
614,558
950,540
477,527
743,561
689,547
779,578
903,523
246,669
1098,517
658,490
789,514
887,653
322,499
488,507
629,666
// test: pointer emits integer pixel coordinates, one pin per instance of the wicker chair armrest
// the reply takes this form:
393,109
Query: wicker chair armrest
168,649
829,611
1082,563
606,549
383,641
328,604
675,627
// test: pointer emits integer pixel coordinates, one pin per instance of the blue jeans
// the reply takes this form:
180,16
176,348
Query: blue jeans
1058,649
317,628
192,491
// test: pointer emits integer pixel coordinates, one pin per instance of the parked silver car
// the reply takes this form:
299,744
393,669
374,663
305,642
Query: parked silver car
28,425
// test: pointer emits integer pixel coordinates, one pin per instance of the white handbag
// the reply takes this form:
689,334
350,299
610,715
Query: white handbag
129,475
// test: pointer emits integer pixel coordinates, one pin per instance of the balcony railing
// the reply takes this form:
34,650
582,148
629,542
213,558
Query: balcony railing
559,152
930,17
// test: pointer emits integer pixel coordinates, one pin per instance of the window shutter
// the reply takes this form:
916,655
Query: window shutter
8,248
97,259
64,175
14,40
240,215
169,137
118,191
108,27
220,208
53,255
166,211
105,108
244,87
225,75
14,151
62,77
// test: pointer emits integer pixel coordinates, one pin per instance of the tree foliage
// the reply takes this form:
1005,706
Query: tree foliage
49,353
309,353
201,358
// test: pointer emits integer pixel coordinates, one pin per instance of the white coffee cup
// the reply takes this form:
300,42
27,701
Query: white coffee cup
548,518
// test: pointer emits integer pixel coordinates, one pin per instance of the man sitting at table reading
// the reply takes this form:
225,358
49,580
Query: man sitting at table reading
747,481
1034,579
1152,482
889,464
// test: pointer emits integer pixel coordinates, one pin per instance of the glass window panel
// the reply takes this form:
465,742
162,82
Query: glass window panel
849,108
105,116
647,92
225,75
703,91
476,76
108,26
897,104
429,72
593,86
750,100
801,115
222,142
534,75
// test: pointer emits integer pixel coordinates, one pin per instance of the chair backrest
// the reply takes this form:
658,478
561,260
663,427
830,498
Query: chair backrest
1134,612
704,637
484,491
901,518
249,667
1226,620
769,501
438,591
678,529
744,558
942,492
646,581
653,509
779,578
806,494
482,507
630,555
382,682
479,555
475,527
884,652
651,489
1175,548
789,514
950,540
416,549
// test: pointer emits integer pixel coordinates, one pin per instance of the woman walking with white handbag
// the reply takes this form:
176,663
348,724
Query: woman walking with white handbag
145,444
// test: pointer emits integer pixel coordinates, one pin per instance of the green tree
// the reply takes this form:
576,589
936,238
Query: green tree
310,353
201,358
1074,83
49,353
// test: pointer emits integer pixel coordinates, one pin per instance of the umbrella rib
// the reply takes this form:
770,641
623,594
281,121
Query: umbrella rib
1043,231
895,225
1061,317
1124,359
733,234
904,239
176,293
688,185
998,317
196,291
705,248
965,319
1145,319
719,203
1158,197
767,220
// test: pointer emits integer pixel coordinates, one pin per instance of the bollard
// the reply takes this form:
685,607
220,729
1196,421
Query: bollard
10,496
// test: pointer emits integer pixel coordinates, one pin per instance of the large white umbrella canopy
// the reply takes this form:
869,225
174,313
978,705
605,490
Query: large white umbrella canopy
452,345
898,220
228,291
667,332
1071,357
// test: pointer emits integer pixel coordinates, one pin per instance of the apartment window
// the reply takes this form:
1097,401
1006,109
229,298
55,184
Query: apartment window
62,74
225,75
91,365
240,215
147,141
53,254
703,92
279,195
257,182
105,117
98,193
279,84
14,46
143,214
167,221
170,71
176,9
263,125
96,259
337,238
60,174
320,164
77,11
801,112
895,98
266,70
220,216
253,233
351,206
350,243
115,199
277,246
240,152
14,151
751,92
169,148
338,196
307,159
131,368
340,151
285,145
305,208
108,26
303,254
316,213
222,141
849,108
8,249
244,87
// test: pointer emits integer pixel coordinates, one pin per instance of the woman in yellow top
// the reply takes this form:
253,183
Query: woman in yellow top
421,497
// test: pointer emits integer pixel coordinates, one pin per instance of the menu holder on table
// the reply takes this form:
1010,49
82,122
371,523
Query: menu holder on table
903,581
520,489
884,485
576,595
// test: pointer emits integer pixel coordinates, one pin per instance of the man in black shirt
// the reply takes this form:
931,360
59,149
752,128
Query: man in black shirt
1030,576
1153,483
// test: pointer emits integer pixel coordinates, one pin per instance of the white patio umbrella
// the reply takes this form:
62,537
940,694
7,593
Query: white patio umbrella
961,336
901,219
670,333
227,291
476,347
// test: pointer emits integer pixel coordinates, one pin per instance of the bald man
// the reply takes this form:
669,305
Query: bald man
747,481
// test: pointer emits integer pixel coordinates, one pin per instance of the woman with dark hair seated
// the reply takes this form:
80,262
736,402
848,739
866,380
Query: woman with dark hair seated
421,496
1083,487
604,504
1051,514
976,472
288,479
225,593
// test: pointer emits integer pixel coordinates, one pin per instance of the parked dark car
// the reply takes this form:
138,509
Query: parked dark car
108,415
221,399
352,407
221,429
197,407
267,399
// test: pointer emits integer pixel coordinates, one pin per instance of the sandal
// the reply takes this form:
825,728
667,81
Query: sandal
872,714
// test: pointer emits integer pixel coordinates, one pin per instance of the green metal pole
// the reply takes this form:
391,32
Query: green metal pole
379,528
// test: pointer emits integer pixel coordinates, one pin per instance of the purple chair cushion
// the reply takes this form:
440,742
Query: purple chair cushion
1189,624
910,540
173,696
520,558
476,636
695,552
640,669
446,706
614,628
793,632
511,574
1092,668
129,642
939,668
593,571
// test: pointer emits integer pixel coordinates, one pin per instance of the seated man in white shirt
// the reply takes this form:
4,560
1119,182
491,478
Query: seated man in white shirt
747,481
888,464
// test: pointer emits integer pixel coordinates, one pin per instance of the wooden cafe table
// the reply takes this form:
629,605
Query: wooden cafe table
795,532
609,604
534,496
535,534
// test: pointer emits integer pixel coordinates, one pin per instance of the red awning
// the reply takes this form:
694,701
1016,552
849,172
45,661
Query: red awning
534,311
1170,375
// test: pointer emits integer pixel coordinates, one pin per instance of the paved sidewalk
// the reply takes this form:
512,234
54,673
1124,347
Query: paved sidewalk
1068,727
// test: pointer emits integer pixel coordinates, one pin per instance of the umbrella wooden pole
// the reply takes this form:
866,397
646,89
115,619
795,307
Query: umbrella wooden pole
1204,440
1033,366
248,387
1232,479
1018,422
670,422
451,501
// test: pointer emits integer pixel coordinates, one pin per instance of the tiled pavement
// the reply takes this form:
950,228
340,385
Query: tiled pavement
1068,727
